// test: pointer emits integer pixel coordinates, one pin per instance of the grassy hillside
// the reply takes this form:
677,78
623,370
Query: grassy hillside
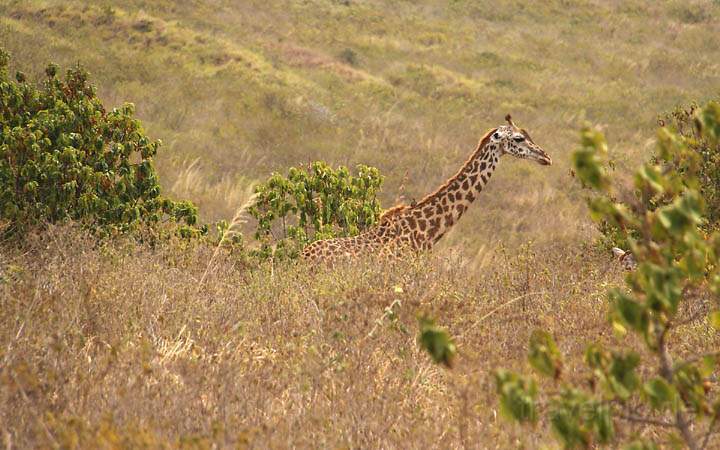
239,89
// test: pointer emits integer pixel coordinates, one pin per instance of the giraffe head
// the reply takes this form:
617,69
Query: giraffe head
517,142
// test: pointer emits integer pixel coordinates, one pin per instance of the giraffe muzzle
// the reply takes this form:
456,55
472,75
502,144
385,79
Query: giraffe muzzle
545,160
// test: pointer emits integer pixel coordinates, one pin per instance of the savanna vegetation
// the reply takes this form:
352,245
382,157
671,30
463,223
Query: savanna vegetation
139,305
672,291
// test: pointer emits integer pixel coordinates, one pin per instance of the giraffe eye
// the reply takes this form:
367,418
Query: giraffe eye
496,135
519,138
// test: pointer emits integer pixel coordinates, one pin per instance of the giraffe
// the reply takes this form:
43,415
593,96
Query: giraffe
417,227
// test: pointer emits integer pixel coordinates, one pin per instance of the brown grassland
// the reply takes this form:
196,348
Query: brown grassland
118,344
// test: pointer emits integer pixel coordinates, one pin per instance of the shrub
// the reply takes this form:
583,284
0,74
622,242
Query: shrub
314,203
63,156
677,276
682,122
349,56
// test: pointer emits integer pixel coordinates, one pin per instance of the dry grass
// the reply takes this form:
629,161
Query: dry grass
225,193
119,345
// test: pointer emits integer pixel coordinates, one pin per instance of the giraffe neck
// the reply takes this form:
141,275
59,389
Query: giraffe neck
420,226
430,219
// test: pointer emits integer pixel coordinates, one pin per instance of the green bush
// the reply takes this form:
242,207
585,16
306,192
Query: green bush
684,122
314,203
63,156
680,122
676,284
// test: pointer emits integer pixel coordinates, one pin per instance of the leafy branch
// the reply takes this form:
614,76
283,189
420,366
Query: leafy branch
678,258
311,203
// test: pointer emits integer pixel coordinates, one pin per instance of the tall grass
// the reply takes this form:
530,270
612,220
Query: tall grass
121,342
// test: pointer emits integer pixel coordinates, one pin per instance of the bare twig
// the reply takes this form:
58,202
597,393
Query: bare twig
498,308
681,421
645,420
706,439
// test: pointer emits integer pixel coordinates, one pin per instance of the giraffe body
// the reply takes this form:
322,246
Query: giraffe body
417,227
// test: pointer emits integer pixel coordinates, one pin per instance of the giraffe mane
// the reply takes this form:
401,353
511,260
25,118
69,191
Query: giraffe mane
447,182
392,211
395,210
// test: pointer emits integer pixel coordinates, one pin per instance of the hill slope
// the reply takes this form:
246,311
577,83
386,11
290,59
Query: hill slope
238,89
120,344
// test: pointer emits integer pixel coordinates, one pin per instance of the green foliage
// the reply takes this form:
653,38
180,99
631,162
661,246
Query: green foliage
544,355
700,131
588,160
349,56
578,419
660,394
63,156
437,342
517,396
679,263
314,203
614,372
683,149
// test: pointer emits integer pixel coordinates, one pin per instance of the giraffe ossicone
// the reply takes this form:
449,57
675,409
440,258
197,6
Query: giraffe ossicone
417,227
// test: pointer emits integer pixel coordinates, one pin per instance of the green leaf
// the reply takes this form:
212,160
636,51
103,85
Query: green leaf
621,375
589,169
650,176
683,214
714,319
601,422
689,384
630,312
708,366
660,394
662,286
709,121
517,396
437,342
595,356
619,329
569,418
543,354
